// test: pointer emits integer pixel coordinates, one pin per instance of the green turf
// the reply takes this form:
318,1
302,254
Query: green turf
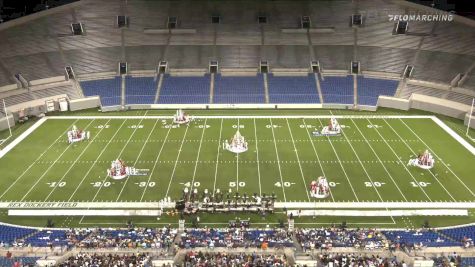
367,163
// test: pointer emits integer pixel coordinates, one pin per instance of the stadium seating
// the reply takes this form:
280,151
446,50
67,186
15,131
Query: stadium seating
335,237
24,261
370,89
9,234
337,90
233,238
137,237
109,90
184,90
460,234
427,238
140,90
468,261
292,89
249,89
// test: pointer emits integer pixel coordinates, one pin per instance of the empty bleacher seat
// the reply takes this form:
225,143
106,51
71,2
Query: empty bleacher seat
337,90
460,234
9,234
185,90
239,89
292,89
24,261
140,90
370,89
109,90
427,238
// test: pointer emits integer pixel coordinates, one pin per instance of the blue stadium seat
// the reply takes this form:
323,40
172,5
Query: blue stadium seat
370,89
9,234
185,90
109,90
338,90
24,261
460,233
140,90
239,89
468,261
292,89
427,238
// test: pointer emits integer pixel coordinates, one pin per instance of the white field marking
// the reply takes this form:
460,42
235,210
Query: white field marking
364,169
155,164
177,157
137,159
237,164
39,157
379,159
298,160
49,167
258,165
254,117
21,137
456,137
227,223
400,161
74,163
94,163
318,157
118,157
341,165
217,157
430,171
278,160
198,156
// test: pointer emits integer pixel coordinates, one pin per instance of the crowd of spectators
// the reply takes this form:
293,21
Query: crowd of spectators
98,260
131,238
235,237
225,259
326,238
350,260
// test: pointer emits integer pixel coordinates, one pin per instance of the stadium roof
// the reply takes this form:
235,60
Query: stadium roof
41,44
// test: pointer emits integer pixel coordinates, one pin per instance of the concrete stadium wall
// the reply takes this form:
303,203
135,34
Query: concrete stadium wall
4,122
394,102
84,103
439,106
467,119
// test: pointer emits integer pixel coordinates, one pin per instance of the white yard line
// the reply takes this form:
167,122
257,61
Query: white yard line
49,168
38,158
237,164
156,161
298,160
217,157
318,157
75,161
363,167
379,159
198,156
433,175
400,161
258,165
118,157
341,165
453,134
94,163
138,157
278,160
177,157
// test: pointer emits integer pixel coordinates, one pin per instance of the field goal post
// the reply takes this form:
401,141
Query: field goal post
4,110
472,109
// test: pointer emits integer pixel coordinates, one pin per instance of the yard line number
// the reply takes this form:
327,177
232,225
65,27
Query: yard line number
56,184
374,184
420,184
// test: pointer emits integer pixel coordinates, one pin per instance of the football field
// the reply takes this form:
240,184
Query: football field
367,163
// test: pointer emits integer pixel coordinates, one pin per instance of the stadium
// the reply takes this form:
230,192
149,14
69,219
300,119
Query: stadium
237,133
